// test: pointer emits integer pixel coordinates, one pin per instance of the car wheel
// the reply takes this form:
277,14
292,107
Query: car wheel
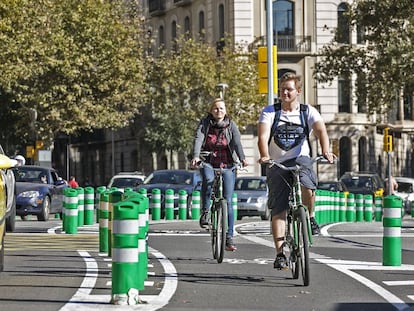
11,220
266,214
45,210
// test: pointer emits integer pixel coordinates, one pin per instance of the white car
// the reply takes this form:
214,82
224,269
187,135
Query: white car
126,180
405,191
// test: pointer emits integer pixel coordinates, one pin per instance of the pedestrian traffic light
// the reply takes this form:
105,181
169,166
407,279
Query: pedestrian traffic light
262,69
387,140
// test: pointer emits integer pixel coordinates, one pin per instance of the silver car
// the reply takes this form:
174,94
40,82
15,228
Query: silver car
251,197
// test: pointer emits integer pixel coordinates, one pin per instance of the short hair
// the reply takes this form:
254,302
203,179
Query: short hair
216,100
288,76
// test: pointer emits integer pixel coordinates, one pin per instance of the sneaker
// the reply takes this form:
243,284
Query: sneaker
230,245
280,262
203,219
314,226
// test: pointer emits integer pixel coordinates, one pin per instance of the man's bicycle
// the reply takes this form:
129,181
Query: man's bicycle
218,213
298,235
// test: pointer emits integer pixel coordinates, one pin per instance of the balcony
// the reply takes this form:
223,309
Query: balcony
156,7
182,2
290,43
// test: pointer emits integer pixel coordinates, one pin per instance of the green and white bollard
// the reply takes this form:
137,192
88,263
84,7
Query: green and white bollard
378,208
89,205
71,211
195,206
125,252
368,207
234,205
342,207
359,207
391,241
182,205
156,204
99,191
115,196
103,221
169,204
350,208
81,206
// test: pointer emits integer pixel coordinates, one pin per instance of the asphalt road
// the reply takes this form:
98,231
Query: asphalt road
49,270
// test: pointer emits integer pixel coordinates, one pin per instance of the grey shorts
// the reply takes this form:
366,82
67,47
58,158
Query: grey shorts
280,184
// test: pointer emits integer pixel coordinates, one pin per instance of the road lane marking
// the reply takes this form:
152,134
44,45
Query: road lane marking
85,301
398,283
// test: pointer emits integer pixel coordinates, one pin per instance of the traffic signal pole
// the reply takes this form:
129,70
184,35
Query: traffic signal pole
388,149
269,41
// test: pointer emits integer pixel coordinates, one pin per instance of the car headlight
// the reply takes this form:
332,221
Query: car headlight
261,200
30,194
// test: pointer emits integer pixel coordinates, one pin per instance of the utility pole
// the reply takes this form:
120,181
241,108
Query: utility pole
269,42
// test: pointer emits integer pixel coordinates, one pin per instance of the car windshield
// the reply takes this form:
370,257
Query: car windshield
28,174
178,178
250,184
358,183
405,187
126,182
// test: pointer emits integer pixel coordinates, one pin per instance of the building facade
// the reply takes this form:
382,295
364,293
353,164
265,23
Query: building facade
300,29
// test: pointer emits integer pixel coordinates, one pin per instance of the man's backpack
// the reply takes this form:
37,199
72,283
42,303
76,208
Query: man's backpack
304,112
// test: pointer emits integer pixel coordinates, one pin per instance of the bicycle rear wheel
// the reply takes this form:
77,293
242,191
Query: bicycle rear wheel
302,245
221,229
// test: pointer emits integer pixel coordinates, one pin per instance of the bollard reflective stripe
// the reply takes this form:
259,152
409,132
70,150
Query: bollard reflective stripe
125,255
125,226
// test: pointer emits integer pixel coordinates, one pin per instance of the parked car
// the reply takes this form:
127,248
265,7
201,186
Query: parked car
127,180
363,183
5,163
405,191
251,197
188,180
332,186
39,191
8,176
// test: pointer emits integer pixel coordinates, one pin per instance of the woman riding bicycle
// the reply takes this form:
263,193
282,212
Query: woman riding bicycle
219,135
285,140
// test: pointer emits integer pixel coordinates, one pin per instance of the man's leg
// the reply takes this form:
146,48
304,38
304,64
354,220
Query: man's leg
278,230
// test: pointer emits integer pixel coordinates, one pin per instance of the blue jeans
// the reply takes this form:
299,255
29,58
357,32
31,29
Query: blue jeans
229,178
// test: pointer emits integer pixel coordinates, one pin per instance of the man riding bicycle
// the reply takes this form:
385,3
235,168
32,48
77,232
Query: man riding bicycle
219,135
283,133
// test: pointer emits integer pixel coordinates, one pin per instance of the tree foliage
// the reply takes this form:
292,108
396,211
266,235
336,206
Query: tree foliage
384,63
76,64
184,81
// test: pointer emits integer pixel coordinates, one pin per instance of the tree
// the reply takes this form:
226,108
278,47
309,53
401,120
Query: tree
77,64
184,81
383,64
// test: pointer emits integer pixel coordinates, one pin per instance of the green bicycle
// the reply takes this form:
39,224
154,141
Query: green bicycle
298,235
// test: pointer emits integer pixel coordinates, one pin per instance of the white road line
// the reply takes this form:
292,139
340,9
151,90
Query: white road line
398,283
345,266
83,300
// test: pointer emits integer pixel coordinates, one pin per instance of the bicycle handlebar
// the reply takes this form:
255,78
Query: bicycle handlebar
297,166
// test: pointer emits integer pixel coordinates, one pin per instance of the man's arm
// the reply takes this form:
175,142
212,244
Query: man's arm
320,131
263,132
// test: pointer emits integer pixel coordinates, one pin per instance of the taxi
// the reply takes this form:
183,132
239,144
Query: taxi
5,163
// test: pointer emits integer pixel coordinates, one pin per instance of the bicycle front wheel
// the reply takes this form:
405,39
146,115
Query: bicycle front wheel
302,245
221,229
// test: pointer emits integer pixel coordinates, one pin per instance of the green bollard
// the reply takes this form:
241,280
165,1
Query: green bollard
65,198
169,204
342,207
89,205
378,208
156,204
115,196
103,221
81,206
234,205
368,207
317,208
359,207
99,191
182,205
195,206
124,250
71,211
391,241
350,208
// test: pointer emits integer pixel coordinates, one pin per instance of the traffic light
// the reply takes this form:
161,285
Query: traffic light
30,152
387,140
262,69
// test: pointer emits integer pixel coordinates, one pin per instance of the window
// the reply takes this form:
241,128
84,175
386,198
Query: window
201,25
221,21
187,27
344,98
174,35
342,31
345,150
362,154
161,37
283,17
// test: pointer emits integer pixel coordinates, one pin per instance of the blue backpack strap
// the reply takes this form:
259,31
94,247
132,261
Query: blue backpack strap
277,106
304,113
